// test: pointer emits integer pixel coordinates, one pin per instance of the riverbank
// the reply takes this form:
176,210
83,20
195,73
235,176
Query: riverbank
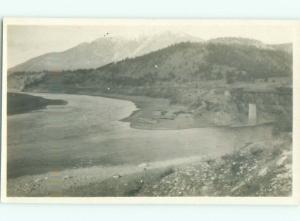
161,114
95,180
18,103
257,169
111,159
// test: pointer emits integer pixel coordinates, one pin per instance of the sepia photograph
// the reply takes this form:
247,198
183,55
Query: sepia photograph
155,109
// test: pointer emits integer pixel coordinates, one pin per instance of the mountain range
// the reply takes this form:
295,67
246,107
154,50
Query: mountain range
100,52
194,74
178,63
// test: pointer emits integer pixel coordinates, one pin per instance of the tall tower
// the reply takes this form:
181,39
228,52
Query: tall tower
252,116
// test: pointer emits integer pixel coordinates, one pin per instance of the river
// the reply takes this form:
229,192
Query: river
87,132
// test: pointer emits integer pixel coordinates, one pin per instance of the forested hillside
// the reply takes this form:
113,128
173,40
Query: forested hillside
199,76
189,62
186,62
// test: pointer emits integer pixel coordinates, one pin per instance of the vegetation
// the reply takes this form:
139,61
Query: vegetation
187,62
22,103
256,169
195,75
211,82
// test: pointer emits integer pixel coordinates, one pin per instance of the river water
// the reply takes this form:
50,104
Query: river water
88,132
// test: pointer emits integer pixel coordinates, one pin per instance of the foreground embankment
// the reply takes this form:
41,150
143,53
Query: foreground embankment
257,169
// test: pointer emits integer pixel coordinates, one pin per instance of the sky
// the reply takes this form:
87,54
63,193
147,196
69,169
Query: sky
25,41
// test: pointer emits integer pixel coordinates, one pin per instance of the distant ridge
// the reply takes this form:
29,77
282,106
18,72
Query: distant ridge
177,64
287,47
100,52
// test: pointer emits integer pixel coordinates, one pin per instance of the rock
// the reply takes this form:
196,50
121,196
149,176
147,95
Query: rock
281,161
117,176
143,165
263,171
67,177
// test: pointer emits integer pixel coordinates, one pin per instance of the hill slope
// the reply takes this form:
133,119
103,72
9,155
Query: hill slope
205,78
179,65
100,52
186,62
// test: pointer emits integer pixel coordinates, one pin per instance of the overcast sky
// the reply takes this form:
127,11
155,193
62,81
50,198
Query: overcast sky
28,41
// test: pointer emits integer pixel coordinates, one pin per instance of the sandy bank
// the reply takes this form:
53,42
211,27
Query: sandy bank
63,183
